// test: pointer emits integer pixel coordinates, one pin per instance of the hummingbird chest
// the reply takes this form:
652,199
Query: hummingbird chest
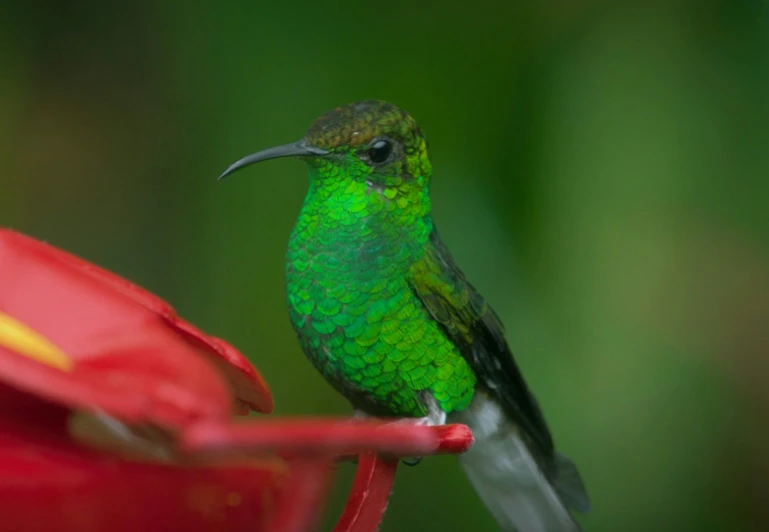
360,325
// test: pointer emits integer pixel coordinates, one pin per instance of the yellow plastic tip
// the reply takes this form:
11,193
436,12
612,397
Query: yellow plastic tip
25,341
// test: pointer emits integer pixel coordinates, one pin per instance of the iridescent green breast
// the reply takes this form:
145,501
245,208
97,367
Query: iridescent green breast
354,312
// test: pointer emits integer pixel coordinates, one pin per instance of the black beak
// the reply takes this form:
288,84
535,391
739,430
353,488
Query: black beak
297,149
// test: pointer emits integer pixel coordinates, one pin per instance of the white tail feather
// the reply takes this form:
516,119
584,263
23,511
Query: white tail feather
508,479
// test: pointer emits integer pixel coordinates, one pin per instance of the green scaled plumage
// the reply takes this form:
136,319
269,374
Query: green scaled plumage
352,256
384,313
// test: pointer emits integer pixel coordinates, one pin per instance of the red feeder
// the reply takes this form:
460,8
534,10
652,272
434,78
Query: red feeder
115,414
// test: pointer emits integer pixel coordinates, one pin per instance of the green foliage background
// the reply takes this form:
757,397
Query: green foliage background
600,174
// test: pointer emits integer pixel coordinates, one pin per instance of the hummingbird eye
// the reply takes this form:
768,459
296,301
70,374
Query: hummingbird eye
379,150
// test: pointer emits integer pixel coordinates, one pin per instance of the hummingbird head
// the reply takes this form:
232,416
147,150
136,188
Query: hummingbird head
371,142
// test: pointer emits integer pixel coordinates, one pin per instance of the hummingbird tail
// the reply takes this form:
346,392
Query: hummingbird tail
510,482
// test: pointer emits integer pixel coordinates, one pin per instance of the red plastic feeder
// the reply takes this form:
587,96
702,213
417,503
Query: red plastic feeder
115,414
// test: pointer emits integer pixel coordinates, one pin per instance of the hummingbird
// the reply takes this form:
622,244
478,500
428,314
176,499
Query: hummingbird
385,314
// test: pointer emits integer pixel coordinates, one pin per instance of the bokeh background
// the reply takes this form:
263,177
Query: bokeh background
600,174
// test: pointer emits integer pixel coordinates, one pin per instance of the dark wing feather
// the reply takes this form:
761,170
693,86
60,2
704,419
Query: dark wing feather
475,328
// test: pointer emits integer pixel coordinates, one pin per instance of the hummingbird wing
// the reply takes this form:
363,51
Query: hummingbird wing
474,327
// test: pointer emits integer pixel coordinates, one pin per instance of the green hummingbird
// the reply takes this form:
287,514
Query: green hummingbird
385,314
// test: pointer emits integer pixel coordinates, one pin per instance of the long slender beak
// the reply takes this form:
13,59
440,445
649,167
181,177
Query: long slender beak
297,149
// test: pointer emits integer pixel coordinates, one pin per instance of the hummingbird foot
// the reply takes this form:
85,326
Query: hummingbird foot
435,416
430,420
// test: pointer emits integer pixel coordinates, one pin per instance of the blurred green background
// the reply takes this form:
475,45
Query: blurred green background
600,174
